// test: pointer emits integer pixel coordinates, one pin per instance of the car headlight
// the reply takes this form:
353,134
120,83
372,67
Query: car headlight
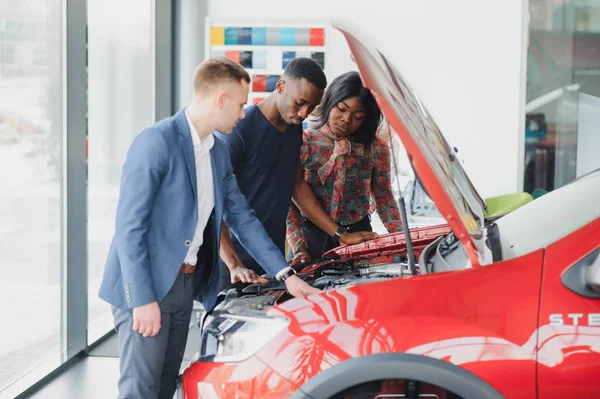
234,338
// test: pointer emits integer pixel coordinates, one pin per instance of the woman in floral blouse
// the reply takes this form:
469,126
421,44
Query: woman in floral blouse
346,165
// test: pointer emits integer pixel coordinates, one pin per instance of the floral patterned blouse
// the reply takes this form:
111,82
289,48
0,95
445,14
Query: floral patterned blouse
349,179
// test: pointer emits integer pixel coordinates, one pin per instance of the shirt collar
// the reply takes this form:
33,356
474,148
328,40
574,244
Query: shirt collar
204,145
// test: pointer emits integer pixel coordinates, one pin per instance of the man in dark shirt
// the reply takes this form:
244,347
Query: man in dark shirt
265,154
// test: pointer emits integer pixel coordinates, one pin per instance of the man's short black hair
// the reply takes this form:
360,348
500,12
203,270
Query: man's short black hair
306,68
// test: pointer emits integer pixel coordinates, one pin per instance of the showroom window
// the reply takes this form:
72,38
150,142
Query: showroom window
120,104
31,194
563,93
77,82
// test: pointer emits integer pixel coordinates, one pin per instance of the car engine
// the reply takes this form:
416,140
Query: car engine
379,259
326,274
356,271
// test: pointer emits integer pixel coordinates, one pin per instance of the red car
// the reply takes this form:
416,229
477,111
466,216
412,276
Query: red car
473,309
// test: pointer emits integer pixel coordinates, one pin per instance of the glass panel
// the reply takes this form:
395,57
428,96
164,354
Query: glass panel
563,93
31,136
121,103
421,211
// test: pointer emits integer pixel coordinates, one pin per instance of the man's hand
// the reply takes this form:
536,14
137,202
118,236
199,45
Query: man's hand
299,288
245,275
146,319
357,238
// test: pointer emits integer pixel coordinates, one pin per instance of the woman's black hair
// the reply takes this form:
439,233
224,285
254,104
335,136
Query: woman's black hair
343,87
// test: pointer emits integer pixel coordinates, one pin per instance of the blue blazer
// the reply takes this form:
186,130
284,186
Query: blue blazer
157,215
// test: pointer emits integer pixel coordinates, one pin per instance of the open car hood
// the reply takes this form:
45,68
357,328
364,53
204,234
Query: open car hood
392,242
433,160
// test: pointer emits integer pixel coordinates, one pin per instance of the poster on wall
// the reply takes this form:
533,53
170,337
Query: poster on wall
265,49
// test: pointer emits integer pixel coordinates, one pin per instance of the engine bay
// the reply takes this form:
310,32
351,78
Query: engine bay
327,274
379,259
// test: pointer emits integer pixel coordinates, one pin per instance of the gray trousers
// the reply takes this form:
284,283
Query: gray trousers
149,366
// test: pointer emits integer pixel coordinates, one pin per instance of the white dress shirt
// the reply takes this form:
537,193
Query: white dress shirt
204,188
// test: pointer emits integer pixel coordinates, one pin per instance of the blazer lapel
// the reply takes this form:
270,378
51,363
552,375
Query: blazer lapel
217,179
187,146
190,160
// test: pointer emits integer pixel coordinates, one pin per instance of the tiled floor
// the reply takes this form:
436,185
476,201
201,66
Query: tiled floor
95,376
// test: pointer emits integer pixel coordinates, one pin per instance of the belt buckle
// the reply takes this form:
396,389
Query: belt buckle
186,268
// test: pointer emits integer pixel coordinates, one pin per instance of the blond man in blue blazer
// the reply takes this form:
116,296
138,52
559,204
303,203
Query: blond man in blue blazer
176,187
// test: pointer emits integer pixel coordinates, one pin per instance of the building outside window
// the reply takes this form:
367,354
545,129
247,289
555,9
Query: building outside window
563,93
31,189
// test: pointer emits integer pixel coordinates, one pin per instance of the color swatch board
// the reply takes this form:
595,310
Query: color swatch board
266,50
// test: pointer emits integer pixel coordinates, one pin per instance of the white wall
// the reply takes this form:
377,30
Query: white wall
463,57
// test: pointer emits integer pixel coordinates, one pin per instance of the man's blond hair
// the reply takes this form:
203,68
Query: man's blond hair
216,71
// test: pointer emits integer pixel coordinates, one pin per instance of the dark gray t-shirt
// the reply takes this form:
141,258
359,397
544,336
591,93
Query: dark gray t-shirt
264,162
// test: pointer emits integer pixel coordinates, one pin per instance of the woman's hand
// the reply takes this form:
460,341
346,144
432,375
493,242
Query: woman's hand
300,257
357,238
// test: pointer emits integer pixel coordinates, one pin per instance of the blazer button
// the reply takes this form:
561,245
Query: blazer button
188,243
